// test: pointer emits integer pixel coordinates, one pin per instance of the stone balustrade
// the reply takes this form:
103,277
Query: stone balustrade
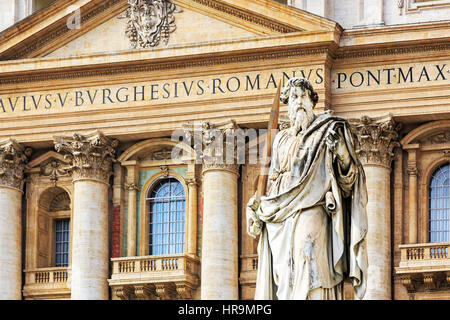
424,257
424,266
154,277
47,283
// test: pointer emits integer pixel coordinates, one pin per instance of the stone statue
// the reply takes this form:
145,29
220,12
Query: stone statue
312,222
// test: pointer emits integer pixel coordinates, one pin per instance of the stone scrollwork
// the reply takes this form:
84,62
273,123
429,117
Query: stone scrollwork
91,155
13,159
54,169
149,22
376,139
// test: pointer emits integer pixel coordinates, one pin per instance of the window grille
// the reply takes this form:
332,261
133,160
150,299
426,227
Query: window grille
166,217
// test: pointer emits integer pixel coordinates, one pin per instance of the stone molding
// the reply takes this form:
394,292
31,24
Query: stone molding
253,18
91,155
182,63
57,32
13,160
214,141
376,139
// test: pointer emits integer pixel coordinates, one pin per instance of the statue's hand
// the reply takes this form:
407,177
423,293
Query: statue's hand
254,224
337,145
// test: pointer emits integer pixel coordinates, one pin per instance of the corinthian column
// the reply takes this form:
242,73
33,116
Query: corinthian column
219,266
92,156
12,163
374,146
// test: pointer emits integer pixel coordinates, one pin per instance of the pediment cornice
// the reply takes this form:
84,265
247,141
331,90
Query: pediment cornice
46,31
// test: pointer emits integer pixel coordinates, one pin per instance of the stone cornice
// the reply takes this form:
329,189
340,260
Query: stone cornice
397,49
39,40
44,32
246,15
146,66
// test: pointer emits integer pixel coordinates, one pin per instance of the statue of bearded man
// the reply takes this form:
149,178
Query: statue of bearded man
312,222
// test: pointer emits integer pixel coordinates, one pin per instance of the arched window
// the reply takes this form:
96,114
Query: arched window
439,217
166,217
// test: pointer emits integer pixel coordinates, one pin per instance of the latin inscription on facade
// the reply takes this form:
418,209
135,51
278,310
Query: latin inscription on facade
223,86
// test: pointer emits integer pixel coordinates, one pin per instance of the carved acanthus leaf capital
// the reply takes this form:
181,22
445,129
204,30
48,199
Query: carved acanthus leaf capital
91,155
13,159
376,139
132,186
218,146
412,171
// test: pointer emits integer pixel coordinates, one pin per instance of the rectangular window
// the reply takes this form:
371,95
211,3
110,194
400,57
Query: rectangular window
62,230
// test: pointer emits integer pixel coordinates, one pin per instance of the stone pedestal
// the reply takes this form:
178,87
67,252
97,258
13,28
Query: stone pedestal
92,156
12,159
376,140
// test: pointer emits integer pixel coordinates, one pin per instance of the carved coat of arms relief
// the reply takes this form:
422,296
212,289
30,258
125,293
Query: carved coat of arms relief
149,22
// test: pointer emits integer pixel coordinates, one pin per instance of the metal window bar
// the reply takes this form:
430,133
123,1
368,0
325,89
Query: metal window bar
166,223
62,230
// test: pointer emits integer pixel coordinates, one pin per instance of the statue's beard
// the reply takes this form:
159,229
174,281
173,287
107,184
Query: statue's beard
302,120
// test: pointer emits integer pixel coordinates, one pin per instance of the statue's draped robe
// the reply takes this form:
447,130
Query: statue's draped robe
314,218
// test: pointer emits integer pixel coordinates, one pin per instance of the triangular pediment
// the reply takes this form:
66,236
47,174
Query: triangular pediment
54,32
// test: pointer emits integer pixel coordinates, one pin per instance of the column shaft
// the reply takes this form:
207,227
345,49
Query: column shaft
220,236
192,225
90,241
131,228
10,244
379,232
412,214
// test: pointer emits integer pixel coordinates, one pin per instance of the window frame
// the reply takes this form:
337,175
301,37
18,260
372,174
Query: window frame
144,210
430,174
170,200
53,247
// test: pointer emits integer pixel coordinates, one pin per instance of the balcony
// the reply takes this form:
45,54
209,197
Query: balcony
424,266
47,283
163,277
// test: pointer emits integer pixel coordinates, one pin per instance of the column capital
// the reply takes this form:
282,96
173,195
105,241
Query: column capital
216,144
412,171
91,155
13,159
376,139
132,186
